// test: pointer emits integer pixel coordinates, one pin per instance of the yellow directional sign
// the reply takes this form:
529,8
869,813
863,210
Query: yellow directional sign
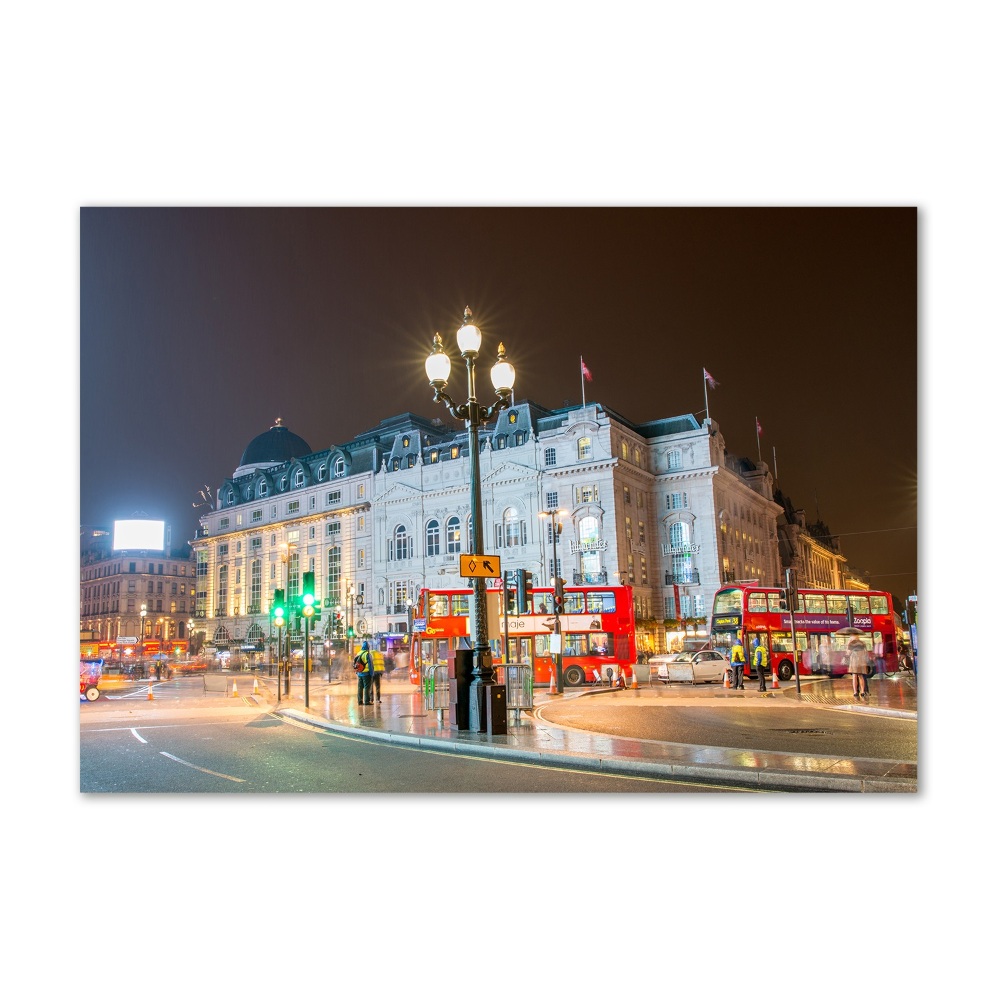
479,565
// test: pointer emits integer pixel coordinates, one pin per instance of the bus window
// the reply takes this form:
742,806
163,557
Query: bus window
815,604
880,604
728,602
600,644
460,605
859,604
776,602
439,605
541,604
573,603
756,601
574,644
836,604
542,645
600,602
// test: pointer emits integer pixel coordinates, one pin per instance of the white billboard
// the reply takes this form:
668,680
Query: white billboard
147,535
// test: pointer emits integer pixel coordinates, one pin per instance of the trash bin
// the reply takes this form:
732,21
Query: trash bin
518,679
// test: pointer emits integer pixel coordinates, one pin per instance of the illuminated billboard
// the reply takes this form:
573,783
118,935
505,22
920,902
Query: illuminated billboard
148,535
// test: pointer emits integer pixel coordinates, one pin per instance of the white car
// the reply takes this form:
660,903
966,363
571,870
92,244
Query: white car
704,666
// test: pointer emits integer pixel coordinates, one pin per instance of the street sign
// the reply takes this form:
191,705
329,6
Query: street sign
419,624
486,566
127,640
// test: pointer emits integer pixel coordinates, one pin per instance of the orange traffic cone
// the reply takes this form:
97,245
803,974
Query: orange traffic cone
552,681
149,694
234,688
725,681
774,678
635,680
256,687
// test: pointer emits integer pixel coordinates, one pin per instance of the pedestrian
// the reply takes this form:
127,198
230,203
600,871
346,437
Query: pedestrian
364,667
879,650
737,660
379,669
760,662
857,667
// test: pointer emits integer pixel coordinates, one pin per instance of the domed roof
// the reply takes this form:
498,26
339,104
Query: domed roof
275,445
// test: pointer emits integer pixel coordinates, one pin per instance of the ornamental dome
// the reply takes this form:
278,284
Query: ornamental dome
274,447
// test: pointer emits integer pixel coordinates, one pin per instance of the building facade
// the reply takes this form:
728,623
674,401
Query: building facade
659,506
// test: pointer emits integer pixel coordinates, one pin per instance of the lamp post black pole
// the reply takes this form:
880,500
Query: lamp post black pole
474,414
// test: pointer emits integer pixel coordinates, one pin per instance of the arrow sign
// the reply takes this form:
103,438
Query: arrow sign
485,566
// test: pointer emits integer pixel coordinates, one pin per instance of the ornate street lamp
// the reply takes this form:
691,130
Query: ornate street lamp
438,368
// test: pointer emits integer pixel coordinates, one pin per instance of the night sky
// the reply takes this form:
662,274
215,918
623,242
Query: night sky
199,326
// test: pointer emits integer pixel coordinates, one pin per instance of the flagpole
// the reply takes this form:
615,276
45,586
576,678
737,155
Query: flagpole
704,384
757,424
775,450
583,391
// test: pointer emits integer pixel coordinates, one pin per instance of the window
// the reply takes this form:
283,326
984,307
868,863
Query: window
584,451
550,456
255,584
298,478
361,523
642,532
551,500
677,501
642,571
333,572
501,440
453,534
395,465
512,417
411,460
361,491
520,437
625,451
433,538
673,460
434,455
224,524
222,551
627,494
256,516
339,468
454,451
223,589
587,494
333,528
406,441
292,507
361,559
333,497
628,530
631,568
512,530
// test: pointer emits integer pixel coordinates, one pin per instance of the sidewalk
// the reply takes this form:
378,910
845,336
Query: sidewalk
401,717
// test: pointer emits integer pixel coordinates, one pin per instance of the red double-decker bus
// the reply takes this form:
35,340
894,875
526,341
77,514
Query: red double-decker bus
750,611
597,626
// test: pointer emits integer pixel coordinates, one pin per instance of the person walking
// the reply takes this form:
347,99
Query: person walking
737,661
857,667
379,669
364,666
760,662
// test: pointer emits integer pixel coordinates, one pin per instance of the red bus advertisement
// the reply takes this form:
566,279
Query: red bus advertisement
751,611
597,627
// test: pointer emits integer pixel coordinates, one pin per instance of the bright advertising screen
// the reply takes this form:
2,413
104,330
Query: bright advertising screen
147,535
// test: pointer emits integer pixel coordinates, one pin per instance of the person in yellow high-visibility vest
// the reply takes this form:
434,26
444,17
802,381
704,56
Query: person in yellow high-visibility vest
760,662
737,661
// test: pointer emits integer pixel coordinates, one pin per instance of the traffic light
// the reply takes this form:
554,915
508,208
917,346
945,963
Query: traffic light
522,594
527,589
560,583
278,609
309,595
350,631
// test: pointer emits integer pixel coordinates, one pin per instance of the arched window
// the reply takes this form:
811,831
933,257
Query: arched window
395,465
584,450
339,468
262,488
454,535
300,477
433,538
321,474
402,543
680,551
625,450
513,529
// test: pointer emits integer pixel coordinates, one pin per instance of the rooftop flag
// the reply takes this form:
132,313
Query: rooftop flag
759,431
708,378
585,371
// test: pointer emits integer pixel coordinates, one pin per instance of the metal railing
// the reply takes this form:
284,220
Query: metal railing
436,691
519,681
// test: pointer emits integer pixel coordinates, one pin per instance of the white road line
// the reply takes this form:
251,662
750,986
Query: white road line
137,736
205,770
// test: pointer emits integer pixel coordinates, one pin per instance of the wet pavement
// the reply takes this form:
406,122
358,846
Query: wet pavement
402,717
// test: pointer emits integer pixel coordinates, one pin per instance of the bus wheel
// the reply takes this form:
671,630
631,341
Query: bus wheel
785,670
573,676
92,694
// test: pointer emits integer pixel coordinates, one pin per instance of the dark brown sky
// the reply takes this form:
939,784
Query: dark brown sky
200,326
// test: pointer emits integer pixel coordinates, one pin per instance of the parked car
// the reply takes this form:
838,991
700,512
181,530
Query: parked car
704,666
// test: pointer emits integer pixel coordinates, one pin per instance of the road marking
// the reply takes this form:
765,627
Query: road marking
205,770
137,736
